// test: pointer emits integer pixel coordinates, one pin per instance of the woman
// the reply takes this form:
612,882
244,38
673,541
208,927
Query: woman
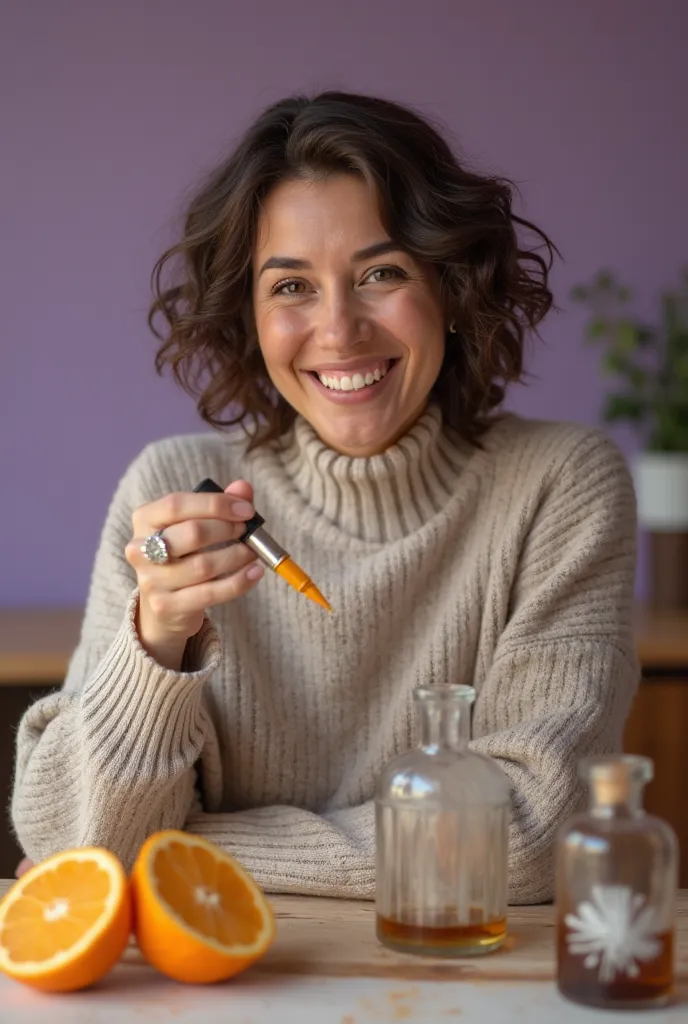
356,299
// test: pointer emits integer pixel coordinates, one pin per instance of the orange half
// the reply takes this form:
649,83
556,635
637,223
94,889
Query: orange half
198,915
66,922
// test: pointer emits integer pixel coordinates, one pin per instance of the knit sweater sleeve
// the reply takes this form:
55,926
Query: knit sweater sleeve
110,757
564,672
291,850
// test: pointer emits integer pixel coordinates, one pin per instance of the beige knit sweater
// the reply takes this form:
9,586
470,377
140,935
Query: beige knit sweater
509,568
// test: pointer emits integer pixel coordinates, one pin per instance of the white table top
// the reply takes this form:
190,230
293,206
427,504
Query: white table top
326,967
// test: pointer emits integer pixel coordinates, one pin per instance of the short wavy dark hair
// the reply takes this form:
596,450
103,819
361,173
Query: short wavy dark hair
434,208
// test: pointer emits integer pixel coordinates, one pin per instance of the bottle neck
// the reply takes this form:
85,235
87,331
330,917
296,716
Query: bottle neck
444,725
622,810
606,802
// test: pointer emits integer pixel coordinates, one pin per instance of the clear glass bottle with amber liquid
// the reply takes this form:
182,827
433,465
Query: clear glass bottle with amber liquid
616,884
442,819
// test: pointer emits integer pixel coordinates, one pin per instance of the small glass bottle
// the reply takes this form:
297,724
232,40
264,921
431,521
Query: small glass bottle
442,821
616,884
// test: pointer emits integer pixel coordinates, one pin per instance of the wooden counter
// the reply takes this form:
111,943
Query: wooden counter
662,641
35,643
327,966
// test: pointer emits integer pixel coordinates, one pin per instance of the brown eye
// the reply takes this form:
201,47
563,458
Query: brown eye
383,274
288,288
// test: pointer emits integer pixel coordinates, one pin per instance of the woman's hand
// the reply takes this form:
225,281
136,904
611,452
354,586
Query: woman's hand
174,596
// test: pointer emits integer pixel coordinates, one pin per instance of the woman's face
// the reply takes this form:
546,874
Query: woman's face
351,328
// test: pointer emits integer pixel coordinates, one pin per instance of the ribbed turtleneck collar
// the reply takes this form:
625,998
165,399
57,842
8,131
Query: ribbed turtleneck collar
382,497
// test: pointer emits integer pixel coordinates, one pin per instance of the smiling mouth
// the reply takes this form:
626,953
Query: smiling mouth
339,381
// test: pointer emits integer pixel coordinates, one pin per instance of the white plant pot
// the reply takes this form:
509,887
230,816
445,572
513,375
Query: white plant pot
661,483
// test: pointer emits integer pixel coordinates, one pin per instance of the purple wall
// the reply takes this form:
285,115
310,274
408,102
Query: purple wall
111,111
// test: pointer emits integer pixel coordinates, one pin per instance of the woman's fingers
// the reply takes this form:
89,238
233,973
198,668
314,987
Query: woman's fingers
199,567
176,605
181,506
240,489
192,521
192,535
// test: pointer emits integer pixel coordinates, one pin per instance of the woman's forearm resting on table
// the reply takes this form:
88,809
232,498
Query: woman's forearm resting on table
124,790
117,761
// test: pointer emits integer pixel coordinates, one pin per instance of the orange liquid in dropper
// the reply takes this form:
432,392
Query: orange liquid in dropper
297,578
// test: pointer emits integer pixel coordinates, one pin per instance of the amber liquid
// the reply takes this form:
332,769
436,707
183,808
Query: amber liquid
652,985
443,936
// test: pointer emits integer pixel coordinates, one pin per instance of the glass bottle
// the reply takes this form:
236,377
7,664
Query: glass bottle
617,871
442,819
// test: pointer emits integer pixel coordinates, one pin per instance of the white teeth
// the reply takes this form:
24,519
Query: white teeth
353,383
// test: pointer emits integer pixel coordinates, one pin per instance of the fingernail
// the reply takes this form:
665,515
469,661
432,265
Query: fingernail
242,509
254,572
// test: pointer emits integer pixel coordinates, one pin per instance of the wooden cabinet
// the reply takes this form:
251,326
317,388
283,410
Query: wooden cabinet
35,646
657,728
658,722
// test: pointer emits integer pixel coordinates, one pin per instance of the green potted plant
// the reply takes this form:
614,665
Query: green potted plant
648,364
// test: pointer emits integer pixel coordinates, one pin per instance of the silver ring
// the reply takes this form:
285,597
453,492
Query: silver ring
155,548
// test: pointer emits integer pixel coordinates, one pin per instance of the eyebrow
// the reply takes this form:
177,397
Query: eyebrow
294,263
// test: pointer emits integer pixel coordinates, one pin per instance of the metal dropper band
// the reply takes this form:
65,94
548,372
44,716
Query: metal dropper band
265,546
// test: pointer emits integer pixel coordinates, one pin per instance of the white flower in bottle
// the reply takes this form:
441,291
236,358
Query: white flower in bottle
615,931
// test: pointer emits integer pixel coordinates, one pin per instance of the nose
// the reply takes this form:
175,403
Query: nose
341,323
